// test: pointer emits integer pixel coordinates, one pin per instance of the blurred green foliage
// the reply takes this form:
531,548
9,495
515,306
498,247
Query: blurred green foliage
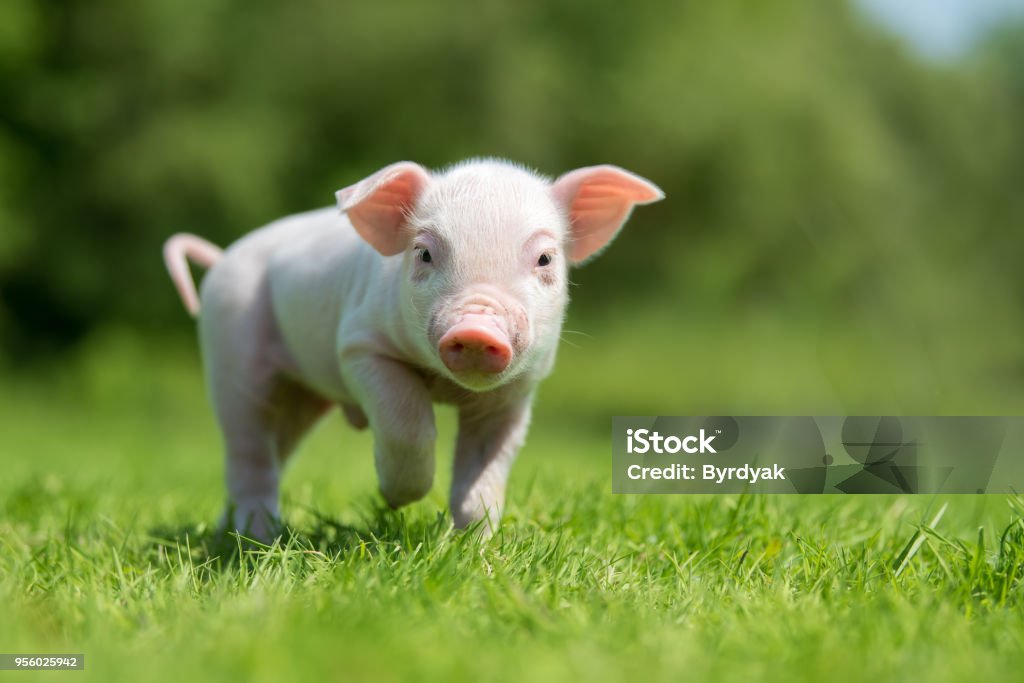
814,169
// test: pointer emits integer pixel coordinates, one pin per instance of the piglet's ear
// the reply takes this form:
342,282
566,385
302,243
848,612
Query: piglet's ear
378,206
598,200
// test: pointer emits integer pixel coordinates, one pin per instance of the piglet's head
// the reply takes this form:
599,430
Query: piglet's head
485,248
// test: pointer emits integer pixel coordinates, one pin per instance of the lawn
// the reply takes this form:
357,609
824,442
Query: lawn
112,476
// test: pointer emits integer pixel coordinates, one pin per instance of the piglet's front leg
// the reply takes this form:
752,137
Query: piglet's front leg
399,409
489,440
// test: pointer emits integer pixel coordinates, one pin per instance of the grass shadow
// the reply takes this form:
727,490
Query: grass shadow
380,529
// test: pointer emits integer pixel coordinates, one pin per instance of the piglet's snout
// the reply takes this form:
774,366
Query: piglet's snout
476,344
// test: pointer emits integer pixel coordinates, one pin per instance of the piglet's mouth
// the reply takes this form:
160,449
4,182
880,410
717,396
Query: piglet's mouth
476,345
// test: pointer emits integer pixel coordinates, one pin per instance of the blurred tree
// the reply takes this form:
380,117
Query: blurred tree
808,160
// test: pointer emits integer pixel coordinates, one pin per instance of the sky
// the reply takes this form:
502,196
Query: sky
942,29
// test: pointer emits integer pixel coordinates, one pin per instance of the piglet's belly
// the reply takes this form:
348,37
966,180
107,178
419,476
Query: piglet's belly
324,380
311,349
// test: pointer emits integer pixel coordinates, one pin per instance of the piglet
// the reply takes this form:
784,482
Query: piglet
425,287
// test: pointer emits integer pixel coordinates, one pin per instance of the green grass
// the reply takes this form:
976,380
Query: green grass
112,475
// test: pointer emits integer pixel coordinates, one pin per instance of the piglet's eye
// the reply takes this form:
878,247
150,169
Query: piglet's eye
425,256
544,260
